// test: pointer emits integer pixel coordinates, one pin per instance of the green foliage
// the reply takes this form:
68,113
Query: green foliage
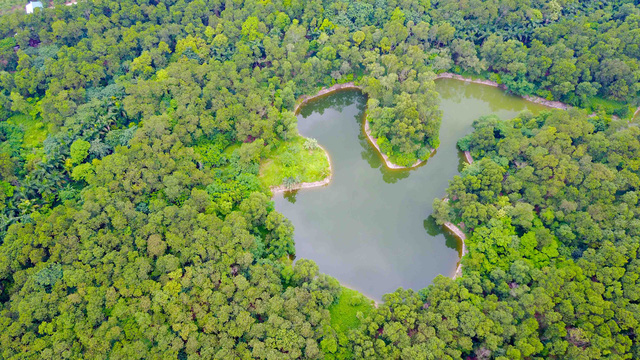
403,159
79,151
349,308
540,230
35,130
82,172
7,6
168,248
405,124
310,144
464,143
291,162
49,275
610,107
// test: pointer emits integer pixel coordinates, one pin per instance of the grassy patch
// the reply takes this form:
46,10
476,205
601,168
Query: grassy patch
344,317
35,130
231,148
290,159
344,312
611,107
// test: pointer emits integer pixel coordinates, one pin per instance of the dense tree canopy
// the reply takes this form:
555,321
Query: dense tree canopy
133,223
551,206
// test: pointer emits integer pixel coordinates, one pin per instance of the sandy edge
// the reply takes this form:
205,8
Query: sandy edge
303,101
460,235
446,75
468,158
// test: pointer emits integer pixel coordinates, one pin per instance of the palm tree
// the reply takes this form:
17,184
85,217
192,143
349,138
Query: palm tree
290,181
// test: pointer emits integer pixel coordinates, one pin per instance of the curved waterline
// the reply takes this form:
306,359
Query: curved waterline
366,128
365,123
455,230
317,221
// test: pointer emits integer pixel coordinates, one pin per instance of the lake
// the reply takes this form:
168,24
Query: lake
370,227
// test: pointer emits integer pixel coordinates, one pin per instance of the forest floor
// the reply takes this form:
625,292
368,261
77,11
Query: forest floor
344,315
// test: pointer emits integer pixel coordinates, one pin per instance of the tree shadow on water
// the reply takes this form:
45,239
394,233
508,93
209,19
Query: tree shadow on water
393,176
434,229
369,153
337,101
462,162
372,156
291,196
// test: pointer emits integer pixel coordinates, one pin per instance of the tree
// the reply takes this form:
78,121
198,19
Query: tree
79,151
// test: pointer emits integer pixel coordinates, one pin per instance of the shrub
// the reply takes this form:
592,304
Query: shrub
310,144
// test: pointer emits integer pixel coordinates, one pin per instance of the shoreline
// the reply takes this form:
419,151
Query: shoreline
457,232
303,101
445,75
351,85
324,91
375,303
467,157
307,185
390,165
530,98
462,237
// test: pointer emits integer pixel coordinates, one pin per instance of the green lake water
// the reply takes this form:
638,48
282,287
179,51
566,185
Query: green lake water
370,228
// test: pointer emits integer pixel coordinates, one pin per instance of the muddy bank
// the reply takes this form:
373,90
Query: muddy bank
457,232
303,101
460,235
468,158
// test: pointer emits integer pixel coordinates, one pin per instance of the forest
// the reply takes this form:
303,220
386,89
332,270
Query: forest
135,224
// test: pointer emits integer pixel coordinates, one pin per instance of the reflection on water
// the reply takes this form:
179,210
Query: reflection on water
434,229
291,196
371,227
